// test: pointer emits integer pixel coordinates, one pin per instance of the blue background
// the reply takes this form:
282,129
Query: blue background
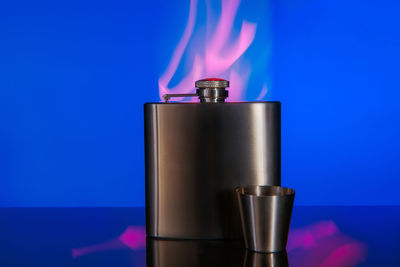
74,75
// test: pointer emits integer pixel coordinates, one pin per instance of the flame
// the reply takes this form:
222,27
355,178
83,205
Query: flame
216,55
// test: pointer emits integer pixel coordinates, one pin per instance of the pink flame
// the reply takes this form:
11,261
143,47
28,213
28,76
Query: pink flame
219,54
263,92
185,86
219,57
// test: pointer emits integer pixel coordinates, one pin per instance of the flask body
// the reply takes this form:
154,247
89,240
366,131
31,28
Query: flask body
197,154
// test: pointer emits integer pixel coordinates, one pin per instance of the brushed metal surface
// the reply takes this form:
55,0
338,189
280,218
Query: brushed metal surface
265,213
212,95
197,154
212,83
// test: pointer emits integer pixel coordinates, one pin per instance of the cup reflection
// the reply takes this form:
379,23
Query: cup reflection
255,259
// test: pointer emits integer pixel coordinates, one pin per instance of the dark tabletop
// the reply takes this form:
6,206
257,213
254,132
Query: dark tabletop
319,236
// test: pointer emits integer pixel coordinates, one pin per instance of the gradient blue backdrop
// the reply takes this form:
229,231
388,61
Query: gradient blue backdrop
74,75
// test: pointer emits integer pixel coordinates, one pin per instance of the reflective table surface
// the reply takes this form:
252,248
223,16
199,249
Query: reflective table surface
319,236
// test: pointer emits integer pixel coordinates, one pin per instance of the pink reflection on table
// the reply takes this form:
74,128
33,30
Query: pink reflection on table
322,244
134,238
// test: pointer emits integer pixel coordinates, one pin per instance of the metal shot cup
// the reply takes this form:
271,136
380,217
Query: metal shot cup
265,212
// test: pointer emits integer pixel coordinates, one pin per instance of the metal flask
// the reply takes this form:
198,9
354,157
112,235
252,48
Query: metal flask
198,153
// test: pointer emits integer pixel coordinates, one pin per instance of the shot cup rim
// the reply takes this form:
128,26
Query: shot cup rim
264,191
